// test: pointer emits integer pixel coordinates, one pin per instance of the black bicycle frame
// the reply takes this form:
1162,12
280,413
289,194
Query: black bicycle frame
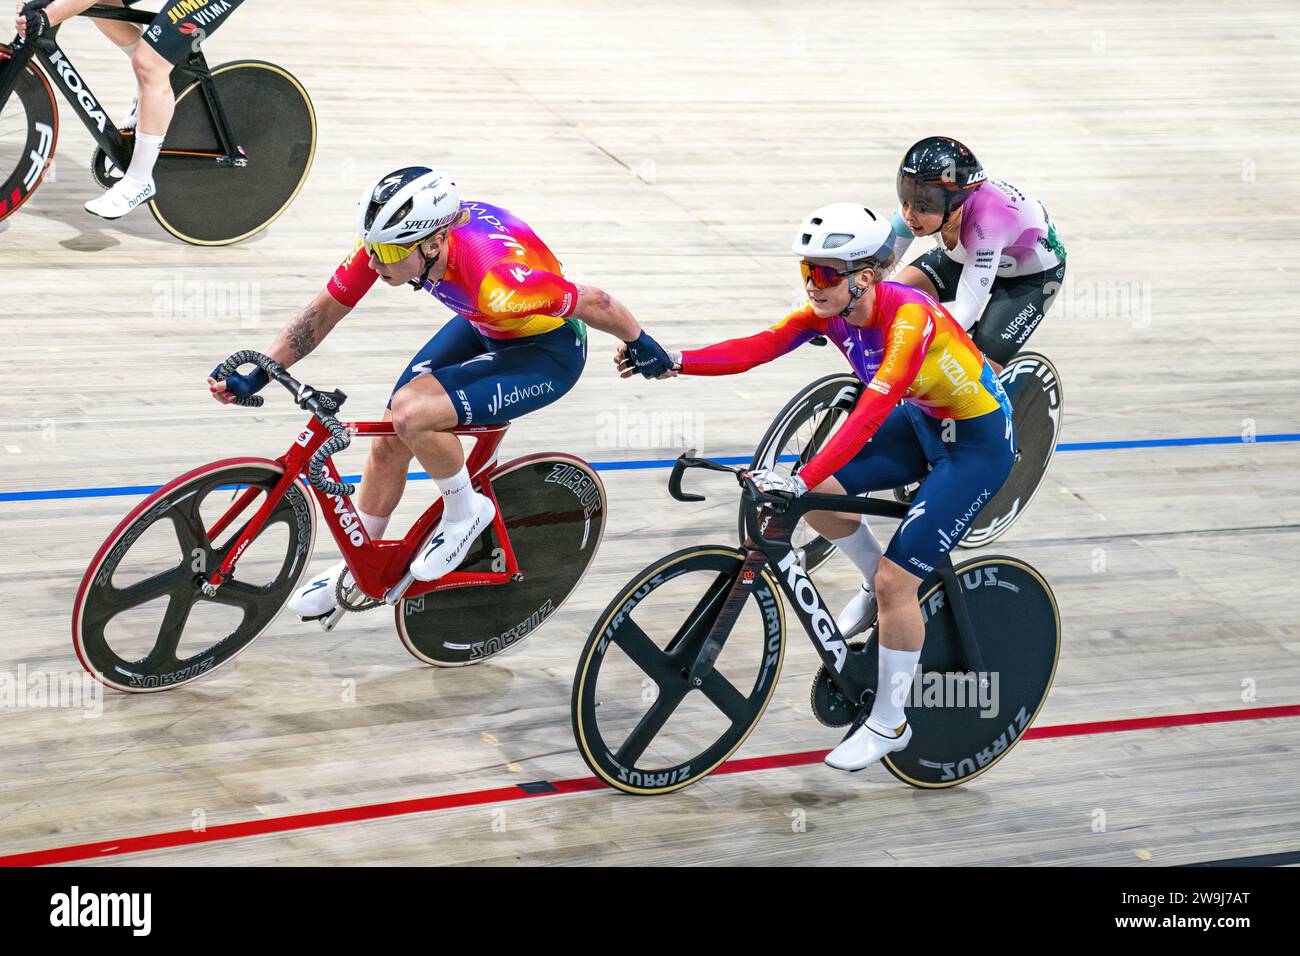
769,522
46,51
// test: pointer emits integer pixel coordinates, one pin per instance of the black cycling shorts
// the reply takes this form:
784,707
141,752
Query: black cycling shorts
182,24
1015,307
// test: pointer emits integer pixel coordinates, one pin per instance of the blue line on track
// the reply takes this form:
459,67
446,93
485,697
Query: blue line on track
55,494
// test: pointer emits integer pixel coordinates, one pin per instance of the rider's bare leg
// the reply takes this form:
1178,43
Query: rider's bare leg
123,35
423,417
849,532
901,626
384,477
852,535
157,103
832,524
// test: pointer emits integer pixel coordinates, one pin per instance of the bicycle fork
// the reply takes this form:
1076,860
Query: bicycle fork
726,619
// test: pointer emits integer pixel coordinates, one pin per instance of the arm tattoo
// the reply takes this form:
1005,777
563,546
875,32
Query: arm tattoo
302,333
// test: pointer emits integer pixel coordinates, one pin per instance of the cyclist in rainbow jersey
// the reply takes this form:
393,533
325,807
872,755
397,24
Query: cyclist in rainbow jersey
932,410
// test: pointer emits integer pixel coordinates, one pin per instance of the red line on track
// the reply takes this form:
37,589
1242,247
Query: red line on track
377,811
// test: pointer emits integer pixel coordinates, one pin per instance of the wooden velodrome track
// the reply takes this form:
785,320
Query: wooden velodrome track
665,152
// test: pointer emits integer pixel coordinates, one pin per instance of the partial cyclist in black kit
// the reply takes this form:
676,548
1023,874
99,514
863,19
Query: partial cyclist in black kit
998,263
167,41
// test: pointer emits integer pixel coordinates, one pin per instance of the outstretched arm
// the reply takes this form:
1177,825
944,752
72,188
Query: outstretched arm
740,355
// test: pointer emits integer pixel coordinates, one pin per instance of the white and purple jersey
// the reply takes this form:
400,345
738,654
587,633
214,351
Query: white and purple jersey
1004,233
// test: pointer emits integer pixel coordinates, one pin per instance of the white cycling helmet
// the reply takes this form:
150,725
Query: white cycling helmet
406,206
845,231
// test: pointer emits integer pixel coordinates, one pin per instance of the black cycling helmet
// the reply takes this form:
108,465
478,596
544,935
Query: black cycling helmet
938,174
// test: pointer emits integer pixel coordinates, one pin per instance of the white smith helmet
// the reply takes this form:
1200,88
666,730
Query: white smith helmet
406,206
847,232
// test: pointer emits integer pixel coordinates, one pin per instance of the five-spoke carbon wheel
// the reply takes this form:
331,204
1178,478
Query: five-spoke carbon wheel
141,621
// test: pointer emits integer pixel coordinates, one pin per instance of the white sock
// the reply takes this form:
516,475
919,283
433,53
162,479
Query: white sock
862,548
147,147
457,495
375,525
896,671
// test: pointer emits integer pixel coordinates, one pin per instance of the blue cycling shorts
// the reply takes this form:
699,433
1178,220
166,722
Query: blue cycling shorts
961,464
491,381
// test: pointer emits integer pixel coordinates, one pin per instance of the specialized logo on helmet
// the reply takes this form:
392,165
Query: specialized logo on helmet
386,187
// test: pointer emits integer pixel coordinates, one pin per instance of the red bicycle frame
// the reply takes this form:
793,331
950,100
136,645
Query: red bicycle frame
376,565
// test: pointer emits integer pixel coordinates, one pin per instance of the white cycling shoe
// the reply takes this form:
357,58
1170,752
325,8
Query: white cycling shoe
859,614
864,746
125,195
317,597
444,552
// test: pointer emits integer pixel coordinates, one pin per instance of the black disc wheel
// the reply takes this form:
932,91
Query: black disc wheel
798,432
554,510
640,722
29,132
274,125
141,621
1034,388
964,721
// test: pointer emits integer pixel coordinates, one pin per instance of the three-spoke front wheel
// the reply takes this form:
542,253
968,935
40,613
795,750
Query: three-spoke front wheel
141,621
29,131
640,723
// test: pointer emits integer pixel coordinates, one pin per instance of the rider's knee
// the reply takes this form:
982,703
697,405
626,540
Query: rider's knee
149,67
407,417
894,584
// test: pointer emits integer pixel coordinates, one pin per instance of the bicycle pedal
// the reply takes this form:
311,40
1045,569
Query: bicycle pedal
328,621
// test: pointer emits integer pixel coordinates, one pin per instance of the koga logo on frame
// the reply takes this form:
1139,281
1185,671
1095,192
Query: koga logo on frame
78,89
74,908
806,596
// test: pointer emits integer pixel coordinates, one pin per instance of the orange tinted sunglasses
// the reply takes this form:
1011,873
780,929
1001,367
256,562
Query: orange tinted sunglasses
822,277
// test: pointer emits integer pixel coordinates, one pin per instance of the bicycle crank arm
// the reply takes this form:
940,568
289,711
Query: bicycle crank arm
332,618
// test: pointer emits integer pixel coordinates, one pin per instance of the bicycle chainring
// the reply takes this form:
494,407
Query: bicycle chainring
831,707
366,604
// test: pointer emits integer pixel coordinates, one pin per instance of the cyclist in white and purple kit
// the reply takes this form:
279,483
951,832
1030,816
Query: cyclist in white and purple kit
998,263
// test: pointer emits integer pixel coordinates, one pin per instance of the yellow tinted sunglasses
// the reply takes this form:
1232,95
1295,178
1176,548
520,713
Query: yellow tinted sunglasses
389,252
